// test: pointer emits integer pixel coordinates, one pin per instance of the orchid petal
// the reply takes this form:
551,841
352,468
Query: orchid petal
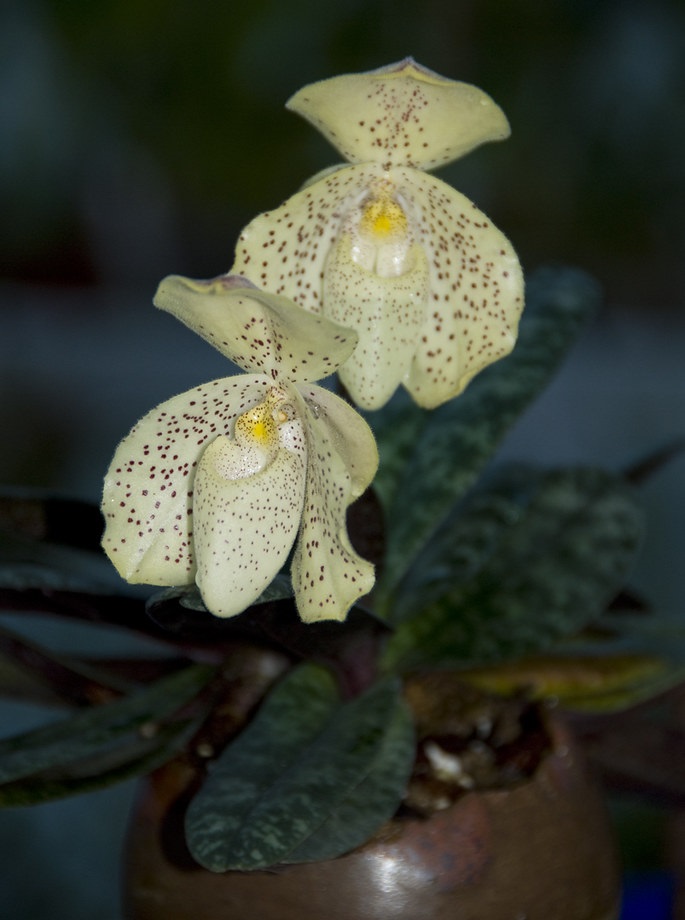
148,491
285,250
258,331
328,575
403,114
349,434
476,290
247,513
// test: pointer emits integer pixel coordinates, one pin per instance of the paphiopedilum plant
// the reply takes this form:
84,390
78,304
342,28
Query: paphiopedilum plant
237,497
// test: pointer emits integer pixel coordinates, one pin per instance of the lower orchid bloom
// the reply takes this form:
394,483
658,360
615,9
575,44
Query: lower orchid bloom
431,286
217,485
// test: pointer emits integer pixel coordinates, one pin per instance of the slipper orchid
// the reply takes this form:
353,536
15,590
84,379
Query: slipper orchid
433,289
218,485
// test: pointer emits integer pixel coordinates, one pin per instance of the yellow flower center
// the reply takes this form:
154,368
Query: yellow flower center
383,217
382,237
258,427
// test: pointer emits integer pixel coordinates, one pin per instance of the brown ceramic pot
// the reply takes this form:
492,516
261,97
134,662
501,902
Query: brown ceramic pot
540,850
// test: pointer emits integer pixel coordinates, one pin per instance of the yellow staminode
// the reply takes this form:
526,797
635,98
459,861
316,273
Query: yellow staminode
259,425
383,217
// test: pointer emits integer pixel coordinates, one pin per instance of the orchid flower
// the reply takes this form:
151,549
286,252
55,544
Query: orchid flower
433,289
218,484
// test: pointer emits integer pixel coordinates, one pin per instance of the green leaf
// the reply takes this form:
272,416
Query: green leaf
550,572
136,760
293,785
102,732
467,538
52,544
27,563
372,801
443,455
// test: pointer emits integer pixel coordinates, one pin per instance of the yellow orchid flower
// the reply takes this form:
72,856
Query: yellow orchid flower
218,484
433,289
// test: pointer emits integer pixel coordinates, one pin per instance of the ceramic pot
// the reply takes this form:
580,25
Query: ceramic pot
539,850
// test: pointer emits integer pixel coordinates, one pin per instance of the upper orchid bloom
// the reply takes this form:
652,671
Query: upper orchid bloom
217,485
434,290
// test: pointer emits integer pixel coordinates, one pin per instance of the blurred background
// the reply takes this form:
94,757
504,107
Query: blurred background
137,137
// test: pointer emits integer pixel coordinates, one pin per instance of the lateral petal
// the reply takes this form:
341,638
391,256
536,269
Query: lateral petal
285,250
402,114
351,437
328,575
148,491
476,290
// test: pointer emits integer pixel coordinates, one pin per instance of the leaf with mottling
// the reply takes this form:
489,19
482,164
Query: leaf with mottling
546,576
139,758
101,731
303,757
457,439
369,803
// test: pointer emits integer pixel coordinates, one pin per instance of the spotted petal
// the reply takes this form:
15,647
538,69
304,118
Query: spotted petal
403,114
245,525
285,250
476,290
348,433
148,491
328,575
258,331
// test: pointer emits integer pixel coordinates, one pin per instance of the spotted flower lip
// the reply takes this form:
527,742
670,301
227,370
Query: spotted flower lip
432,287
219,484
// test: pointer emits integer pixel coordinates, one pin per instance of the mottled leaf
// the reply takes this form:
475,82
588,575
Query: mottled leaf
452,444
102,731
547,575
138,759
371,802
303,757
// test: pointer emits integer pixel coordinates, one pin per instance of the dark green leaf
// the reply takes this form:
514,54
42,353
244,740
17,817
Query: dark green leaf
100,731
302,758
466,539
26,564
444,454
52,544
136,760
371,802
28,671
545,577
